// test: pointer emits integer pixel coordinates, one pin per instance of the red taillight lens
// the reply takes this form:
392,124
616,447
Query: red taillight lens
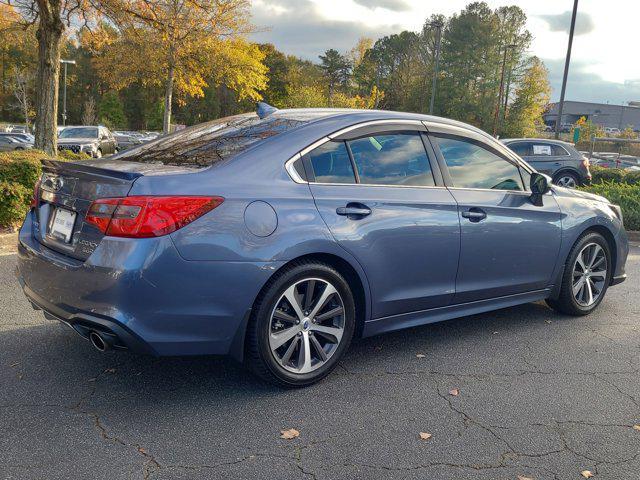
36,194
145,216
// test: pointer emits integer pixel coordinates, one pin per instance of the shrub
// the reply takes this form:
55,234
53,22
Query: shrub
72,157
19,171
624,194
14,202
599,174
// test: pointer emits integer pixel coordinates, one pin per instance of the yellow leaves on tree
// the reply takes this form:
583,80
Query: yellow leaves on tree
182,45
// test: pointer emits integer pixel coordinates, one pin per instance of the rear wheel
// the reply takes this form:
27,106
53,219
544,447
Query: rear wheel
586,277
301,325
567,179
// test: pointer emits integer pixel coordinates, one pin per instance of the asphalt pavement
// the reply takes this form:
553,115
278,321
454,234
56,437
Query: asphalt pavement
518,393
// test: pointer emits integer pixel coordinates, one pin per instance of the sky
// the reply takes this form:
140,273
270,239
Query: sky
604,65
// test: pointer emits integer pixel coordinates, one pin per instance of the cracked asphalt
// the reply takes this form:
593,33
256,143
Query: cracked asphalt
541,396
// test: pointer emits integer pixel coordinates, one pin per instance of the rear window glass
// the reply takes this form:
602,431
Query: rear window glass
331,163
209,143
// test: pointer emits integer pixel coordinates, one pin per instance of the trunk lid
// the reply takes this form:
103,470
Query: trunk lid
65,195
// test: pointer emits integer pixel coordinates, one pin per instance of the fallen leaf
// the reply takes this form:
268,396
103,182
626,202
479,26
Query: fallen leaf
110,370
522,477
289,434
425,436
19,376
547,321
636,427
14,364
586,474
454,392
420,355
495,333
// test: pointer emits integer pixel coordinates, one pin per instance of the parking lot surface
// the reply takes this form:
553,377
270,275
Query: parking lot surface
539,396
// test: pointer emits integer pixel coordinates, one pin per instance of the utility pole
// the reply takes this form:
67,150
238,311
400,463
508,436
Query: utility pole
499,104
566,68
438,26
64,91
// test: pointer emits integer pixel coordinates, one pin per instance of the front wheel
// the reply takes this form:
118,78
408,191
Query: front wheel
586,277
301,325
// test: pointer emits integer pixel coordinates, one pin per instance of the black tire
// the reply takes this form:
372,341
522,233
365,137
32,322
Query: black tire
570,175
258,355
566,302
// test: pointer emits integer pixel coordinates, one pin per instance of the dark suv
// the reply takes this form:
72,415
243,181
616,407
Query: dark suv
560,160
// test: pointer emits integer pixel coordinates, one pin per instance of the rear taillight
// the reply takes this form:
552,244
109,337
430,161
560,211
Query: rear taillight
36,194
147,216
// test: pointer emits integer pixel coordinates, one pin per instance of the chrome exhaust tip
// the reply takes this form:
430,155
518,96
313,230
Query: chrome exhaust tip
98,341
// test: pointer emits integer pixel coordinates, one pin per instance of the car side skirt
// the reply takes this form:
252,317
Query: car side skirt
413,319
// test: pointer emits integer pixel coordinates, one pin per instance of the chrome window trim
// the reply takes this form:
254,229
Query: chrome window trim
326,184
296,177
494,190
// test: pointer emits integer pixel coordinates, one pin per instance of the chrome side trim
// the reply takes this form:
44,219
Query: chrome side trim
376,185
291,170
375,122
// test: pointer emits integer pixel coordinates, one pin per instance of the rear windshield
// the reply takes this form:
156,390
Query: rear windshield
209,143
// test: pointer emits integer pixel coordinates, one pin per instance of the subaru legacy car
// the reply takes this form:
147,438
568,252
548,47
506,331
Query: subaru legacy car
278,237
560,160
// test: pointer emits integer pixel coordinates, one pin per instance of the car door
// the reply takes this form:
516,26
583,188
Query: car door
382,197
546,158
508,244
6,144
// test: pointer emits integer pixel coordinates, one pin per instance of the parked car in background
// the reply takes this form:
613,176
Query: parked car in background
126,140
616,161
95,141
9,144
612,131
22,137
278,238
560,160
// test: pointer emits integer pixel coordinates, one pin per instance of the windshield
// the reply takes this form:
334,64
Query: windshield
209,143
79,132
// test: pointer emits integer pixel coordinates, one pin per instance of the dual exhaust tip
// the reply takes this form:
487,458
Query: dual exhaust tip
100,341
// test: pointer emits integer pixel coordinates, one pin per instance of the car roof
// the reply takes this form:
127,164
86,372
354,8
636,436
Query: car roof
547,140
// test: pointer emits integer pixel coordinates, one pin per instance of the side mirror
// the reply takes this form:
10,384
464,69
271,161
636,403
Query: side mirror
539,186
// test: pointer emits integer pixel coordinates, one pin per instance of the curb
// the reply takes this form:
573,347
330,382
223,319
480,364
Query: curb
634,236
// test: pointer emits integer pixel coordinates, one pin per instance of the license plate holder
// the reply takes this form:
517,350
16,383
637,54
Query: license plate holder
62,224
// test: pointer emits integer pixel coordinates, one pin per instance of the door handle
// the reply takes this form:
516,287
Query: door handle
475,214
354,209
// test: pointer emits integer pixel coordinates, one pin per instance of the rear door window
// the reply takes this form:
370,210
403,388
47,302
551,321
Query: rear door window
522,149
391,159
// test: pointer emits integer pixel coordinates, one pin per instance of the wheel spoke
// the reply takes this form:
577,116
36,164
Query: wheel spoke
581,261
334,312
292,298
284,316
600,274
594,254
308,296
282,337
589,293
578,286
287,355
328,291
318,348
333,334
597,263
304,355
594,288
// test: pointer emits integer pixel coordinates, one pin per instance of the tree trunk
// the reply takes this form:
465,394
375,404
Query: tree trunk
168,95
49,35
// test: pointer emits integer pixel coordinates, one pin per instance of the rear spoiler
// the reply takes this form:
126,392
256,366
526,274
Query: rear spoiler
56,166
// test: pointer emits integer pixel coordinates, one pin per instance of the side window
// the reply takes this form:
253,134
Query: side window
521,149
542,150
392,159
558,151
473,166
331,163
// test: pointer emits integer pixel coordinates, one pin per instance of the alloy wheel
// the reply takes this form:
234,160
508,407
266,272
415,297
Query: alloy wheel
589,274
567,181
307,325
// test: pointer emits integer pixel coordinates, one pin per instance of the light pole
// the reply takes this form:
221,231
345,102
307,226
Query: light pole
64,91
438,26
566,68
504,65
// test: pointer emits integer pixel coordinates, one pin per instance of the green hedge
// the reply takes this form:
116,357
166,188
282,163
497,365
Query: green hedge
600,175
627,195
19,171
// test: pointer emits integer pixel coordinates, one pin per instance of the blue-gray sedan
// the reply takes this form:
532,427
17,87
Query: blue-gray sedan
277,238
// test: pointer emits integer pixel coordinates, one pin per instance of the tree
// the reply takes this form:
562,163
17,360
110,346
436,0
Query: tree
532,98
111,111
21,85
337,69
181,44
89,112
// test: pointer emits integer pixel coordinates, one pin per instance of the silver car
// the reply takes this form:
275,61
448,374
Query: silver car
9,144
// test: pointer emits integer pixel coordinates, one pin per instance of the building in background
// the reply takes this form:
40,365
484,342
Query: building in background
604,114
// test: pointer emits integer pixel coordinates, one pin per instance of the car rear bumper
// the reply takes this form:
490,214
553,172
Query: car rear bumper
146,295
